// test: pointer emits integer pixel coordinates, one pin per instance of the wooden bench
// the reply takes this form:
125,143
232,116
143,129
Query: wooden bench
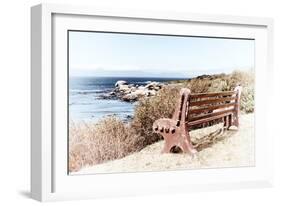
198,110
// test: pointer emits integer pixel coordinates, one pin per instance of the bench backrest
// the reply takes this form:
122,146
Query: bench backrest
198,108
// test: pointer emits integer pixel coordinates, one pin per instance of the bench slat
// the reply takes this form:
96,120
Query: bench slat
210,108
201,121
214,94
211,101
198,117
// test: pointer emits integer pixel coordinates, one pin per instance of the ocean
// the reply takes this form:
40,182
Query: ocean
85,102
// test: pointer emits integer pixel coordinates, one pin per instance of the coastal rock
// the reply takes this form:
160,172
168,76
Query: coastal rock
141,88
120,82
123,87
204,76
110,95
154,86
133,89
140,92
130,97
130,92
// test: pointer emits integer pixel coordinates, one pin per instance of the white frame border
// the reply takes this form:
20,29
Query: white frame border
42,87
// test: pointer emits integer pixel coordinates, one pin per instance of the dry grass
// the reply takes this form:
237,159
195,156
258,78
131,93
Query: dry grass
163,104
111,139
151,109
231,148
91,144
223,82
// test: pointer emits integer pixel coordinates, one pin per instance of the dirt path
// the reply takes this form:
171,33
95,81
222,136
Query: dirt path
232,148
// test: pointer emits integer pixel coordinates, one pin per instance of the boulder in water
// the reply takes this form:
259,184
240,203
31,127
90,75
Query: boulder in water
130,92
120,82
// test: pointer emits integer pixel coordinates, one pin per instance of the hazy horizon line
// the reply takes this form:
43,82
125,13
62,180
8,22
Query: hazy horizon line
192,75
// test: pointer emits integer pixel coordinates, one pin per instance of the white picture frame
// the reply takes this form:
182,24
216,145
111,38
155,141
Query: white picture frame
49,178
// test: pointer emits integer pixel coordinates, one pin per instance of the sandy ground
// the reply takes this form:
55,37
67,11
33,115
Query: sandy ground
217,148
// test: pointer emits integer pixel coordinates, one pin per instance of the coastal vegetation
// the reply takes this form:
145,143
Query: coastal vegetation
110,138
106,140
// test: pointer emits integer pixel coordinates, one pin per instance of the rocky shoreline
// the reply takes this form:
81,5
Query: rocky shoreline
131,92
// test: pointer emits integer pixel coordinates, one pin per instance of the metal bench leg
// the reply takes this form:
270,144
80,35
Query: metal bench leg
187,146
227,122
179,139
238,89
167,147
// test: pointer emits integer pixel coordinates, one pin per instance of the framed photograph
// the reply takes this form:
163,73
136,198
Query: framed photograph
137,102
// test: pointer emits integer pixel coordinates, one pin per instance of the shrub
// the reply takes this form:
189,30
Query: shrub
163,104
109,139
223,82
247,99
150,109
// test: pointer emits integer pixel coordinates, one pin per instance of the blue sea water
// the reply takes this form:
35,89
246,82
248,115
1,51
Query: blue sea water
86,105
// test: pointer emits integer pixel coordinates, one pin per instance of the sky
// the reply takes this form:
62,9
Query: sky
136,55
